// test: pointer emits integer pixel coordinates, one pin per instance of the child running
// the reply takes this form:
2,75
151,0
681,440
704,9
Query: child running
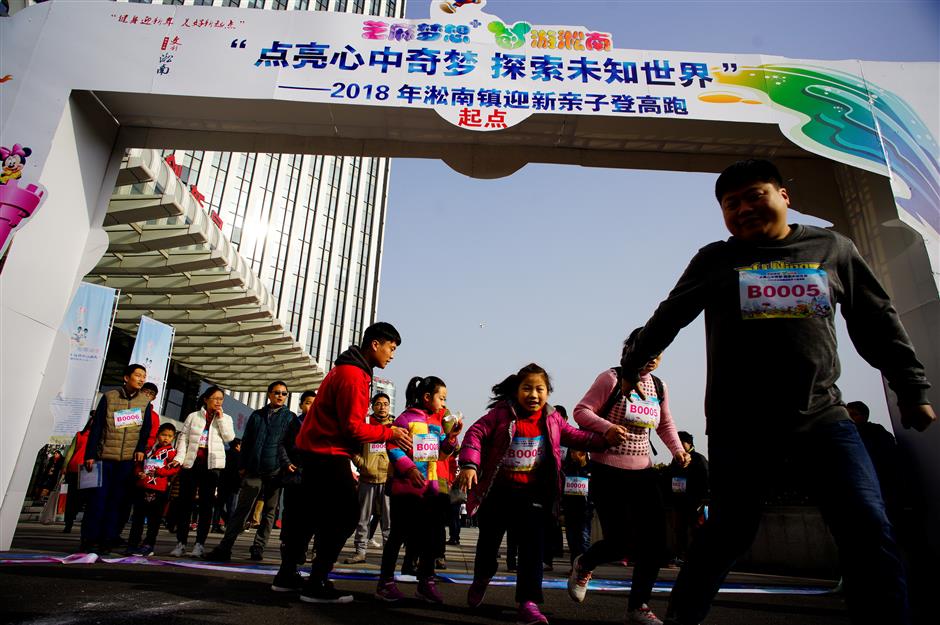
151,495
511,464
418,513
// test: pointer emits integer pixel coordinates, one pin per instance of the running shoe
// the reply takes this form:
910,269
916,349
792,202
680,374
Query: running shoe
529,614
323,592
427,591
287,583
476,593
387,590
578,581
642,616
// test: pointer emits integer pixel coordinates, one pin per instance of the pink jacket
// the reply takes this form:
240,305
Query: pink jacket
486,442
585,415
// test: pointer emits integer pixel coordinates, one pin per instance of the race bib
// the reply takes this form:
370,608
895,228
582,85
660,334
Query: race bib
784,291
679,484
127,418
426,447
204,438
377,448
152,464
576,486
524,454
641,412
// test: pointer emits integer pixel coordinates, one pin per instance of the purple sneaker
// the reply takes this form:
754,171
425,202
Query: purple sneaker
387,590
476,593
529,614
427,591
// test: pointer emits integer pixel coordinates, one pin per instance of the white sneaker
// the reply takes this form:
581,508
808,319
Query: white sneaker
578,582
198,551
179,551
642,616
374,543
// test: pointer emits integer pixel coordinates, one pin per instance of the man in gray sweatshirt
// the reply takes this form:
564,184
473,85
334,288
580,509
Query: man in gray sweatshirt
769,294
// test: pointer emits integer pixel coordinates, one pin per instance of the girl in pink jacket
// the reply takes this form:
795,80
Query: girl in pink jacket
511,463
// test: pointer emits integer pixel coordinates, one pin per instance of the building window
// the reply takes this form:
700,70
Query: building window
340,6
359,6
232,3
279,5
323,5
177,2
255,4
192,163
202,3
141,1
390,11
375,7
302,5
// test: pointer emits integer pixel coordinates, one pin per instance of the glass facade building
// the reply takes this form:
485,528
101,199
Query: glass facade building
310,226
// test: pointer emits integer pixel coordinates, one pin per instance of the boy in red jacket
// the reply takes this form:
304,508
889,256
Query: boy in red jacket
333,431
151,494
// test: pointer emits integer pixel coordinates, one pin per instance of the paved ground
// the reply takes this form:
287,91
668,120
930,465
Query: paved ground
104,593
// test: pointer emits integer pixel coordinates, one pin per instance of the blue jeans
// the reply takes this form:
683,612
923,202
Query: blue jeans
832,463
106,511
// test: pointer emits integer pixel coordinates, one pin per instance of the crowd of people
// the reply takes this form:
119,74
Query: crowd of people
523,462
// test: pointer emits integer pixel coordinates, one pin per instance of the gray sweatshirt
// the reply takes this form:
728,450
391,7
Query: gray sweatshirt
770,331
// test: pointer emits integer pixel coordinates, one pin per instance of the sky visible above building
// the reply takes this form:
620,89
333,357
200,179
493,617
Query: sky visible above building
557,264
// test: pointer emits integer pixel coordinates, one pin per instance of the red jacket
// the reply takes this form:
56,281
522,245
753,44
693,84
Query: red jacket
154,428
156,479
78,454
336,424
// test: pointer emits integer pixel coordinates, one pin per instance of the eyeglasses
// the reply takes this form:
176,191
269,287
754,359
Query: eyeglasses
279,393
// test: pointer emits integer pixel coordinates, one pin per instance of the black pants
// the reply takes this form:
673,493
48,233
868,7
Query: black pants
328,508
579,511
419,521
453,521
630,506
293,504
523,514
200,477
74,499
107,506
148,504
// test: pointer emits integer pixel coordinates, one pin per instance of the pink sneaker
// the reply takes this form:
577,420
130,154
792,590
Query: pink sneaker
529,614
427,591
387,590
476,593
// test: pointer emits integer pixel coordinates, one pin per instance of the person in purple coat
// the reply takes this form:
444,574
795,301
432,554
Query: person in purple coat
510,462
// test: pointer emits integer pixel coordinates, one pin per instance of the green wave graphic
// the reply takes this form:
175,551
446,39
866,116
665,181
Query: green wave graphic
849,119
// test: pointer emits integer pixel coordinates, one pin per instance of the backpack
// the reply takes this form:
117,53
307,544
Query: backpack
616,395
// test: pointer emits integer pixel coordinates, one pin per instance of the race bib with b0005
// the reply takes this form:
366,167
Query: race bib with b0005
524,454
784,290
641,412
425,447
377,448
127,418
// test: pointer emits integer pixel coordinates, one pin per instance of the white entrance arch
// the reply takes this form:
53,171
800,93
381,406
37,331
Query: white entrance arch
82,82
